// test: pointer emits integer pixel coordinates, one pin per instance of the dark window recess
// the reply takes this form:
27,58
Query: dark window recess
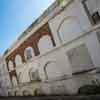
35,76
98,35
29,54
96,17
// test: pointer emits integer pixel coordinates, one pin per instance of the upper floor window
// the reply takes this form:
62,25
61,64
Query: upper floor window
18,60
29,53
10,65
93,9
45,44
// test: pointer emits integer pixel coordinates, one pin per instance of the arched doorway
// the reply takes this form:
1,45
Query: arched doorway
52,71
45,44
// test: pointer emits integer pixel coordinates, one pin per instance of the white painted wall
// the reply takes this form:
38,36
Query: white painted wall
63,65
61,68
79,58
75,23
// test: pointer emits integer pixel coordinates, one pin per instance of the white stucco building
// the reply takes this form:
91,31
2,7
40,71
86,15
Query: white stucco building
59,52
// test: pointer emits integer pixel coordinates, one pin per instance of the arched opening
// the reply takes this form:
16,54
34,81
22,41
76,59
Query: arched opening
18,60
52,71
29,54
69,28
10,65
45,44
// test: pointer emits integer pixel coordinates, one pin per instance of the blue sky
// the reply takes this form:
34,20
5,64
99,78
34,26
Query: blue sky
16,16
